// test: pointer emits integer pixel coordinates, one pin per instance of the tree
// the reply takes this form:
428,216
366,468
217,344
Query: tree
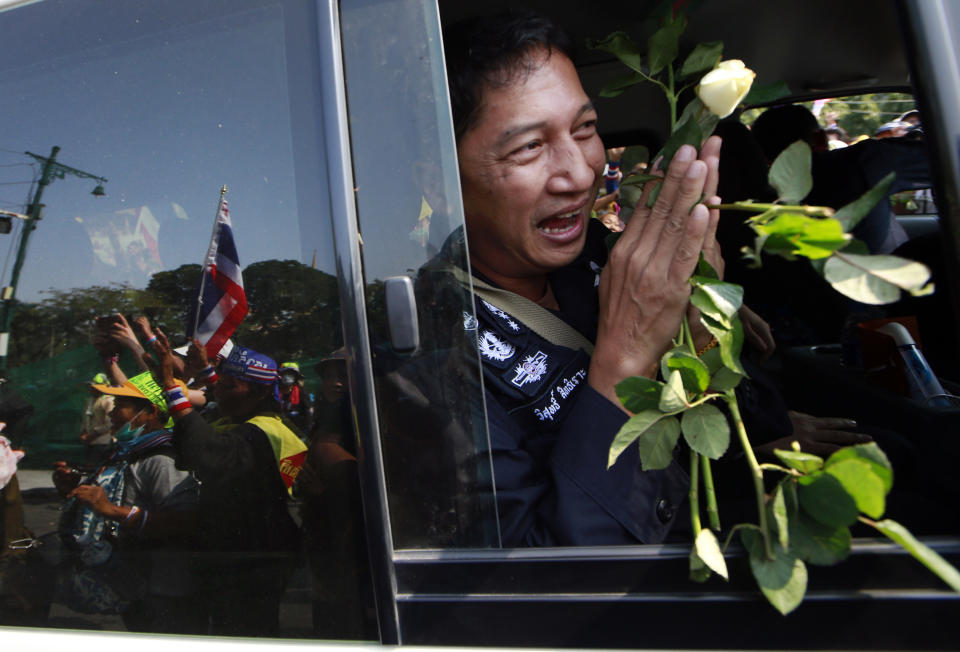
294,310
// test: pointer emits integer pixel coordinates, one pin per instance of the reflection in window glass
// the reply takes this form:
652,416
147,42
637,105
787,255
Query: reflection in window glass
199,529
430,404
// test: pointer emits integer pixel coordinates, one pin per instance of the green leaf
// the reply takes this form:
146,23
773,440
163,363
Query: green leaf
703,302
620,45
686,133
698,569
730,342
851,214
873,455
673,397
875,280
803,462
706,270
783,579
702,60
824,499
706,430
657,444
697,111
764,93
817,543
721,378
638,393
692,370
621,83
727,297
790,234
853,246
790,173
663,45
778,510
640,179
865,486
926,556
634,427
708,550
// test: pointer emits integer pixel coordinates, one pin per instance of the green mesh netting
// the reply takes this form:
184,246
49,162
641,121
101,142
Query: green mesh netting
57,389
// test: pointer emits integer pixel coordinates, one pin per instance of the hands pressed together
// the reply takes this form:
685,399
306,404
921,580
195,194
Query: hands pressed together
644,288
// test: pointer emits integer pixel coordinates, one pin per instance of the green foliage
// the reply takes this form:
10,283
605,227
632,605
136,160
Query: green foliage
876,280
806,518
621,46
707,549
764,93
706,431
924,554
664,45
851,214
782,578
703,58
790,173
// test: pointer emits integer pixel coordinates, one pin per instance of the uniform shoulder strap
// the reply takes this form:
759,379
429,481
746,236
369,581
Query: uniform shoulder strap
534,316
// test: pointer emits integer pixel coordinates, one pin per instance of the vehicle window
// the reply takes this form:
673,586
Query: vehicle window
253,527
829,362
430,402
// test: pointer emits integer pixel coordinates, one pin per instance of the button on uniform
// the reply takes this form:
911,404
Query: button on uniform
665,510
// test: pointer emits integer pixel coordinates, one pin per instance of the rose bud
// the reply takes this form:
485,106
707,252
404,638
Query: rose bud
724,87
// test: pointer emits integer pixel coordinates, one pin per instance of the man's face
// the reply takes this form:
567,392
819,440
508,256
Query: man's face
234,396
126,409
530,167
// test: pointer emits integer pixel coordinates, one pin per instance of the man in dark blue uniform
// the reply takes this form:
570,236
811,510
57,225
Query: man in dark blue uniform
558,324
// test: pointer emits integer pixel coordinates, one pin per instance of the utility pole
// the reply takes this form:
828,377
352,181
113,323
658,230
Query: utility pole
51,170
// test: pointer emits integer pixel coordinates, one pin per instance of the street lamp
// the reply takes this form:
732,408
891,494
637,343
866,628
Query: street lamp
51,170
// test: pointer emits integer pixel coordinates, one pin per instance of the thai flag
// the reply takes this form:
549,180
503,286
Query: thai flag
221,302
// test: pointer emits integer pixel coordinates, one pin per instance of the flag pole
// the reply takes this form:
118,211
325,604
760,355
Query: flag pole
203,266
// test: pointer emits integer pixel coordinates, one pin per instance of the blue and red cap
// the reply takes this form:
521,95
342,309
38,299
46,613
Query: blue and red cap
247,364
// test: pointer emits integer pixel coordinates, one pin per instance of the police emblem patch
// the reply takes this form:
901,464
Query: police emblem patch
493,347
530,370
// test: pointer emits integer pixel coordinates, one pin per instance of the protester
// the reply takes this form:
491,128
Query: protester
141,498
295,400
245,463
96,428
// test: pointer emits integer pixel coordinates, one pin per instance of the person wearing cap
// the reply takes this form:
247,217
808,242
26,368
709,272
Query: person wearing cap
245,461
295,401
146,501
97,431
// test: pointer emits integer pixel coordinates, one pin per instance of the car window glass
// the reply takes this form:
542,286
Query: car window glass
155,107
430,402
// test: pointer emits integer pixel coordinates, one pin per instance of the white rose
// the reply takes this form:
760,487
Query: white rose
724,87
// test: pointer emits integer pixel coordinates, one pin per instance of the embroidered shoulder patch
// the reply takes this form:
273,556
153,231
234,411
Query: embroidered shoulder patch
493,347
530,370
507,319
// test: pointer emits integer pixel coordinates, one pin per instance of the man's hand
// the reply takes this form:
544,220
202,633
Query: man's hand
817,435
645,289
94,496
757,333
121,333
197,359
65,479
142,324
162,369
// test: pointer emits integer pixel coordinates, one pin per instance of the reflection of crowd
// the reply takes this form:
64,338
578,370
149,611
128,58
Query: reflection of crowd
180,517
